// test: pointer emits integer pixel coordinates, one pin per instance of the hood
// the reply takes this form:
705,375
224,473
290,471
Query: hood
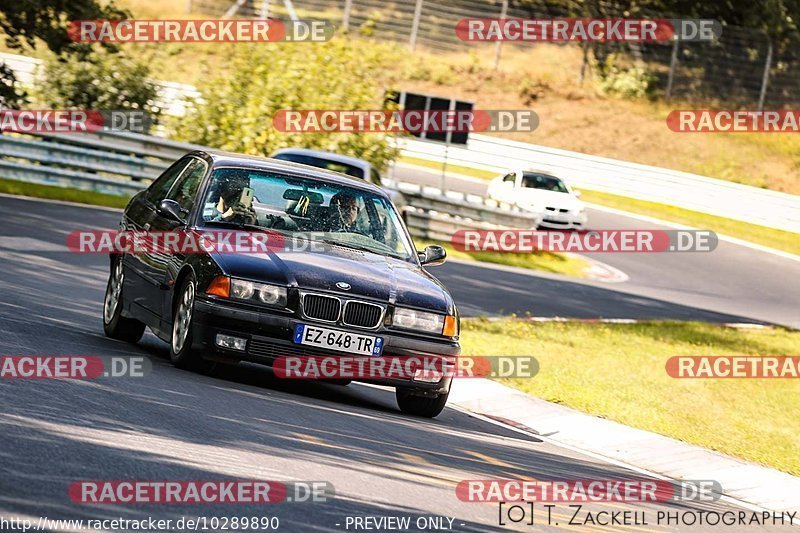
542,198
369,275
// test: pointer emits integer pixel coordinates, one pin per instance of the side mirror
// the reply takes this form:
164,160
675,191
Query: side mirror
577,194
432,255
172,210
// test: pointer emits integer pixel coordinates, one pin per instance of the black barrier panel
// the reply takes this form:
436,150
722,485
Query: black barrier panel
413,101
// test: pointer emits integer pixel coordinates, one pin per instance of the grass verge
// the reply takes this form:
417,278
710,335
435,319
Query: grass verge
568,265
774,238
616,371
457,169
52,192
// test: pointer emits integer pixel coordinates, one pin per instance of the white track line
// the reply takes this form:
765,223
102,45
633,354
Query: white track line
674,225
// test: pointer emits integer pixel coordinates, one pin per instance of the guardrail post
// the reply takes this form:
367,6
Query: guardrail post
672,63
290,10
233,9
348,5
412,41
765,79
444,165
499,44
263,12
584,62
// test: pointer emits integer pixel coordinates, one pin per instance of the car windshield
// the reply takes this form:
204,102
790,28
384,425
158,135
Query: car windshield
321,162
542,181
307,208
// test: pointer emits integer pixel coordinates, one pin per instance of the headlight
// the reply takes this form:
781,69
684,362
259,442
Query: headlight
242,289
267,294
418,320
272,295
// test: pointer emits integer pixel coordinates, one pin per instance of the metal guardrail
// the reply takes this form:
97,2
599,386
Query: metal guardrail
435,216
124,163
86,159
682,189
108,162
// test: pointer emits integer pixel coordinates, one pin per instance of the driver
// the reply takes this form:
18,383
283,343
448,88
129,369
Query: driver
229,207
343,212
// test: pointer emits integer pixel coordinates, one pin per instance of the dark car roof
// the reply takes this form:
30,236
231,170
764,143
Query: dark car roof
230,159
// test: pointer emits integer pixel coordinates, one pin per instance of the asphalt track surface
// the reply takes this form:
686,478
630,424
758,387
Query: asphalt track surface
733,283
240,422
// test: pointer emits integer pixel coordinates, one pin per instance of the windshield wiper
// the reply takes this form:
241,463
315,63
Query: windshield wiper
360,248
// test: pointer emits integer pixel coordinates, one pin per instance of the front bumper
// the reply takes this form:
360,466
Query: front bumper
563,221
270,334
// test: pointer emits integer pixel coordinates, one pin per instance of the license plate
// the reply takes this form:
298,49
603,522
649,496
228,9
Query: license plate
341,341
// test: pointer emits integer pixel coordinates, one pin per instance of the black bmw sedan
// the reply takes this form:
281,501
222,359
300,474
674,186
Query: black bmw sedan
347,280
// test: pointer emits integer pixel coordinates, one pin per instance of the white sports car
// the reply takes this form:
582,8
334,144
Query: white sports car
541,193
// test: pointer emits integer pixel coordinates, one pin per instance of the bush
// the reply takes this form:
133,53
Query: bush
530,90
12,96
238,104
633,82
100,80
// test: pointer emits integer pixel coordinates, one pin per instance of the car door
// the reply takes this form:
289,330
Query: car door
141,283
505,190
167,266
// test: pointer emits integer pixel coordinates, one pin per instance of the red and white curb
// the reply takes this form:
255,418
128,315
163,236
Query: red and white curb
599,271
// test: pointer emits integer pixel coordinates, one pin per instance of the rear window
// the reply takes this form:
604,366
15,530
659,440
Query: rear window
321,162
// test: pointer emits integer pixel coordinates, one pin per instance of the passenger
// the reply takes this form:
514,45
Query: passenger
229,207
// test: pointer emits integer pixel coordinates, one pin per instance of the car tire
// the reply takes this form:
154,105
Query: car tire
115,325
424,406
180,346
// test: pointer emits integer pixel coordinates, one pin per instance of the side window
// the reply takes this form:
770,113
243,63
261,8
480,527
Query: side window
510,177
374,176
160,187
185,189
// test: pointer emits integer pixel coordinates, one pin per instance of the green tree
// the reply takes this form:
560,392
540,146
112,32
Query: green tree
11,96
104,79
24,22
238,104
778,18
